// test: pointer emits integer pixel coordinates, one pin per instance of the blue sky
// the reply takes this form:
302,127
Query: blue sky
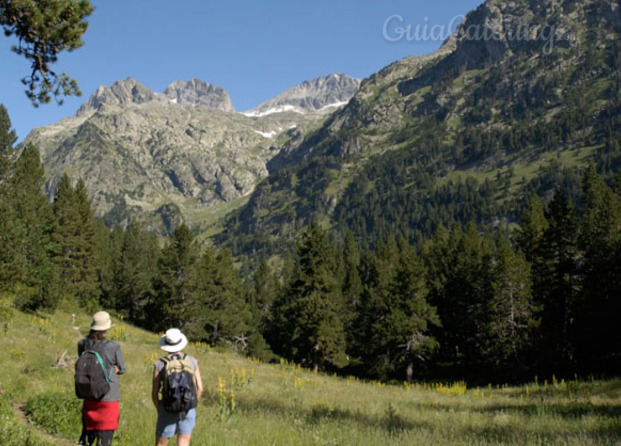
253,49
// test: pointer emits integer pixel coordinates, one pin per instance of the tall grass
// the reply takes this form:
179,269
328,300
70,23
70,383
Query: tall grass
250,403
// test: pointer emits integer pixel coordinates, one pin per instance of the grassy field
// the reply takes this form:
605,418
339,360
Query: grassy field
250,403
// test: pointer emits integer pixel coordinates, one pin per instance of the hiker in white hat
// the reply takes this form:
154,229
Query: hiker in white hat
173,341
100,417
176,411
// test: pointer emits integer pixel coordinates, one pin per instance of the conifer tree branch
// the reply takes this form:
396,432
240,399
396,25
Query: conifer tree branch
43,30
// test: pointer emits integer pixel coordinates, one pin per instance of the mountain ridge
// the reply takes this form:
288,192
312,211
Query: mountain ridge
438,140
166,157
317,95
477,108
128,92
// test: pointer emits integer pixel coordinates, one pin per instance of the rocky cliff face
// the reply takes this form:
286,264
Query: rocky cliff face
198,92
165,157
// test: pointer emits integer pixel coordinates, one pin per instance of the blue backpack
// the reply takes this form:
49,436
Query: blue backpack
178,384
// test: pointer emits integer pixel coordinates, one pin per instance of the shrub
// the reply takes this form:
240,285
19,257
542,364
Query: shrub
58,413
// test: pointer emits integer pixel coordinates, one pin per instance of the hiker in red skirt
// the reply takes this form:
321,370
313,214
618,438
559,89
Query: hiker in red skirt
100,418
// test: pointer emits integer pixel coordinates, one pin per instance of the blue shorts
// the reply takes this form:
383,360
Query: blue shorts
170,423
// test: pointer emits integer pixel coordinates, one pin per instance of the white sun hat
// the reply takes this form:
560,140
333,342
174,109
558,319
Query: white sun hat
101,321
173,341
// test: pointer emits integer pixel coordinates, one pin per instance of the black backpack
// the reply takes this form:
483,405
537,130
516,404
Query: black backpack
92,381
178,384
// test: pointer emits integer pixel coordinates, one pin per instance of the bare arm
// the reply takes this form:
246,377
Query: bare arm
155,387
199,383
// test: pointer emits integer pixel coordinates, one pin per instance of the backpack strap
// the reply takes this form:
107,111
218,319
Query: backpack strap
165,360
171,357
101,363
93,347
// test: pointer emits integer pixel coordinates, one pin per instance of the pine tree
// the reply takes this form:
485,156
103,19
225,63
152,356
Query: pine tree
440,257
308,315
107,253
86,285
598,309
533,225
600,220
220,312
463,300
64,236
363,345
30,262
8,138
265,290
409,314
392,325
73,239
557,285
352,285
8,224
135,272
9,234
173,304
44,29
510,312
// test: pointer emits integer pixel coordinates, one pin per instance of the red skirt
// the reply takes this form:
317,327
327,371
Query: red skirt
101,415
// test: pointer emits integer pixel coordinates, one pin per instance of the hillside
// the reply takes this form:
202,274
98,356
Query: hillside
249,403
519,101
173,156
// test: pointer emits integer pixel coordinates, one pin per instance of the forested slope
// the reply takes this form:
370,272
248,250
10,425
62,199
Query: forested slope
520,101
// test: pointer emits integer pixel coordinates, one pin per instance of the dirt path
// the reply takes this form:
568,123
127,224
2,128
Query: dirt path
24,421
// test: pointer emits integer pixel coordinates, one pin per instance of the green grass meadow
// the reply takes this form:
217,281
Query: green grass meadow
250,403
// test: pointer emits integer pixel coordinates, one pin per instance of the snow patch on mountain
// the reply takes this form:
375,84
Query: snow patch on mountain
270,111
268,135
320,95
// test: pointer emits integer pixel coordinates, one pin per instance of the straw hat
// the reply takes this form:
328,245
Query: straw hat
101,321
173,341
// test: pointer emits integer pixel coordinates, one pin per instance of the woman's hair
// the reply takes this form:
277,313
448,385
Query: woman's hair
97,335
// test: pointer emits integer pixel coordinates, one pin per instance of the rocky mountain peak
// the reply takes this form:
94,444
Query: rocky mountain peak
322,94
128,92
144,153
124,92
198,92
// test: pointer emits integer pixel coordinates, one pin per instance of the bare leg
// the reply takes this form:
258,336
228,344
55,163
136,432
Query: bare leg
161,441
183,439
